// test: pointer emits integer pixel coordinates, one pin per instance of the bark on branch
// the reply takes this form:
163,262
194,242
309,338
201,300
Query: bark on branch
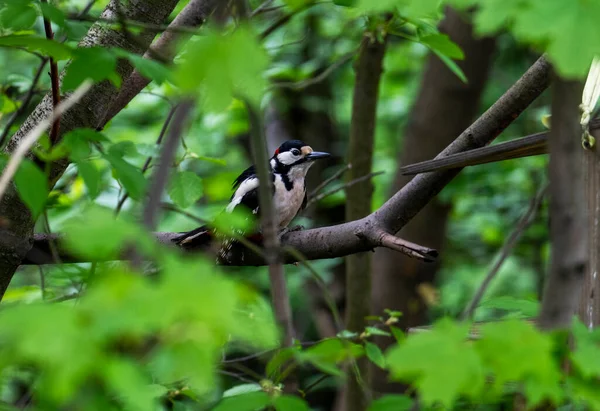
360,235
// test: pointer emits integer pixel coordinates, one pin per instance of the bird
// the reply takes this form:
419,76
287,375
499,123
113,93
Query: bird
288,168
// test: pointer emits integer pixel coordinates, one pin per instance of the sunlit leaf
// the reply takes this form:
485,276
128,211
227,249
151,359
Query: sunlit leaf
130,176
91,176
17,15
428,360
246,402
41,45
235,67
185,188
392,402
374,354
32,186
290,403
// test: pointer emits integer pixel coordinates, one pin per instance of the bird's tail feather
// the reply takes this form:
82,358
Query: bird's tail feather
200,237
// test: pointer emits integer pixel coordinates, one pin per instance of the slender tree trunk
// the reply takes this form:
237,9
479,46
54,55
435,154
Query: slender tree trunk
568,209
589,308
15,233
444,107
358,203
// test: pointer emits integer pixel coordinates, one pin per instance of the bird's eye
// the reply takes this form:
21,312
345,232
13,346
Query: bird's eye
296,152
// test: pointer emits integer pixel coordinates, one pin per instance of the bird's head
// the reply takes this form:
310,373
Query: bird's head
295,155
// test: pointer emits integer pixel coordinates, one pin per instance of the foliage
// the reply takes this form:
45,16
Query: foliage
102,336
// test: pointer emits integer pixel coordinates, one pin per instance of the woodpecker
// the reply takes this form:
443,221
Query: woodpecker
288,167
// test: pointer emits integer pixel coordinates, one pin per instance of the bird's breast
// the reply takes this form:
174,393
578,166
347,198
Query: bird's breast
287,202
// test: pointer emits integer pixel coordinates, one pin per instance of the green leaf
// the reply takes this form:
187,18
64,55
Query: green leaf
442,44
128,382
374,354
452,66
428,360
123,149
377,331
290,403
130,176
149,68
397,333
586,356
295,4
7,105
240,220
553,26
32,186
95,63
532,363
185,188
247,402
242,389
17,16
392,402
529,308
344,3
54,49
235,67
276,362
91,177
408,8
52,13
96,234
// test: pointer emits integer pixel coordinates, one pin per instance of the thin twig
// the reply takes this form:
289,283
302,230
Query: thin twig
524,222
329,300
24,103
406,247
30,139
301,85
279,292
284,19
161,175
161,135
263,7
342,187
335,176
238,376
54,80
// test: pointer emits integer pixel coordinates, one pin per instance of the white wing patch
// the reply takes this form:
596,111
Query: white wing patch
244,188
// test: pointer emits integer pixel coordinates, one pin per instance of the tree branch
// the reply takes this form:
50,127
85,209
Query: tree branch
362,235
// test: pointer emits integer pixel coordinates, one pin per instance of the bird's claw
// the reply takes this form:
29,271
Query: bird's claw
290,230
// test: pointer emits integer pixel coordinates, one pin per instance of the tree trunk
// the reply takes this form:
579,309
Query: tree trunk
444,107
15,233
589,308
568,209
358,203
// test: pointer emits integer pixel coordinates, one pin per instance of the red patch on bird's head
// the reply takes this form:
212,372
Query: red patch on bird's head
276,151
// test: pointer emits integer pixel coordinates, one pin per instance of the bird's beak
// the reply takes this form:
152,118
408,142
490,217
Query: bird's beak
316,155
